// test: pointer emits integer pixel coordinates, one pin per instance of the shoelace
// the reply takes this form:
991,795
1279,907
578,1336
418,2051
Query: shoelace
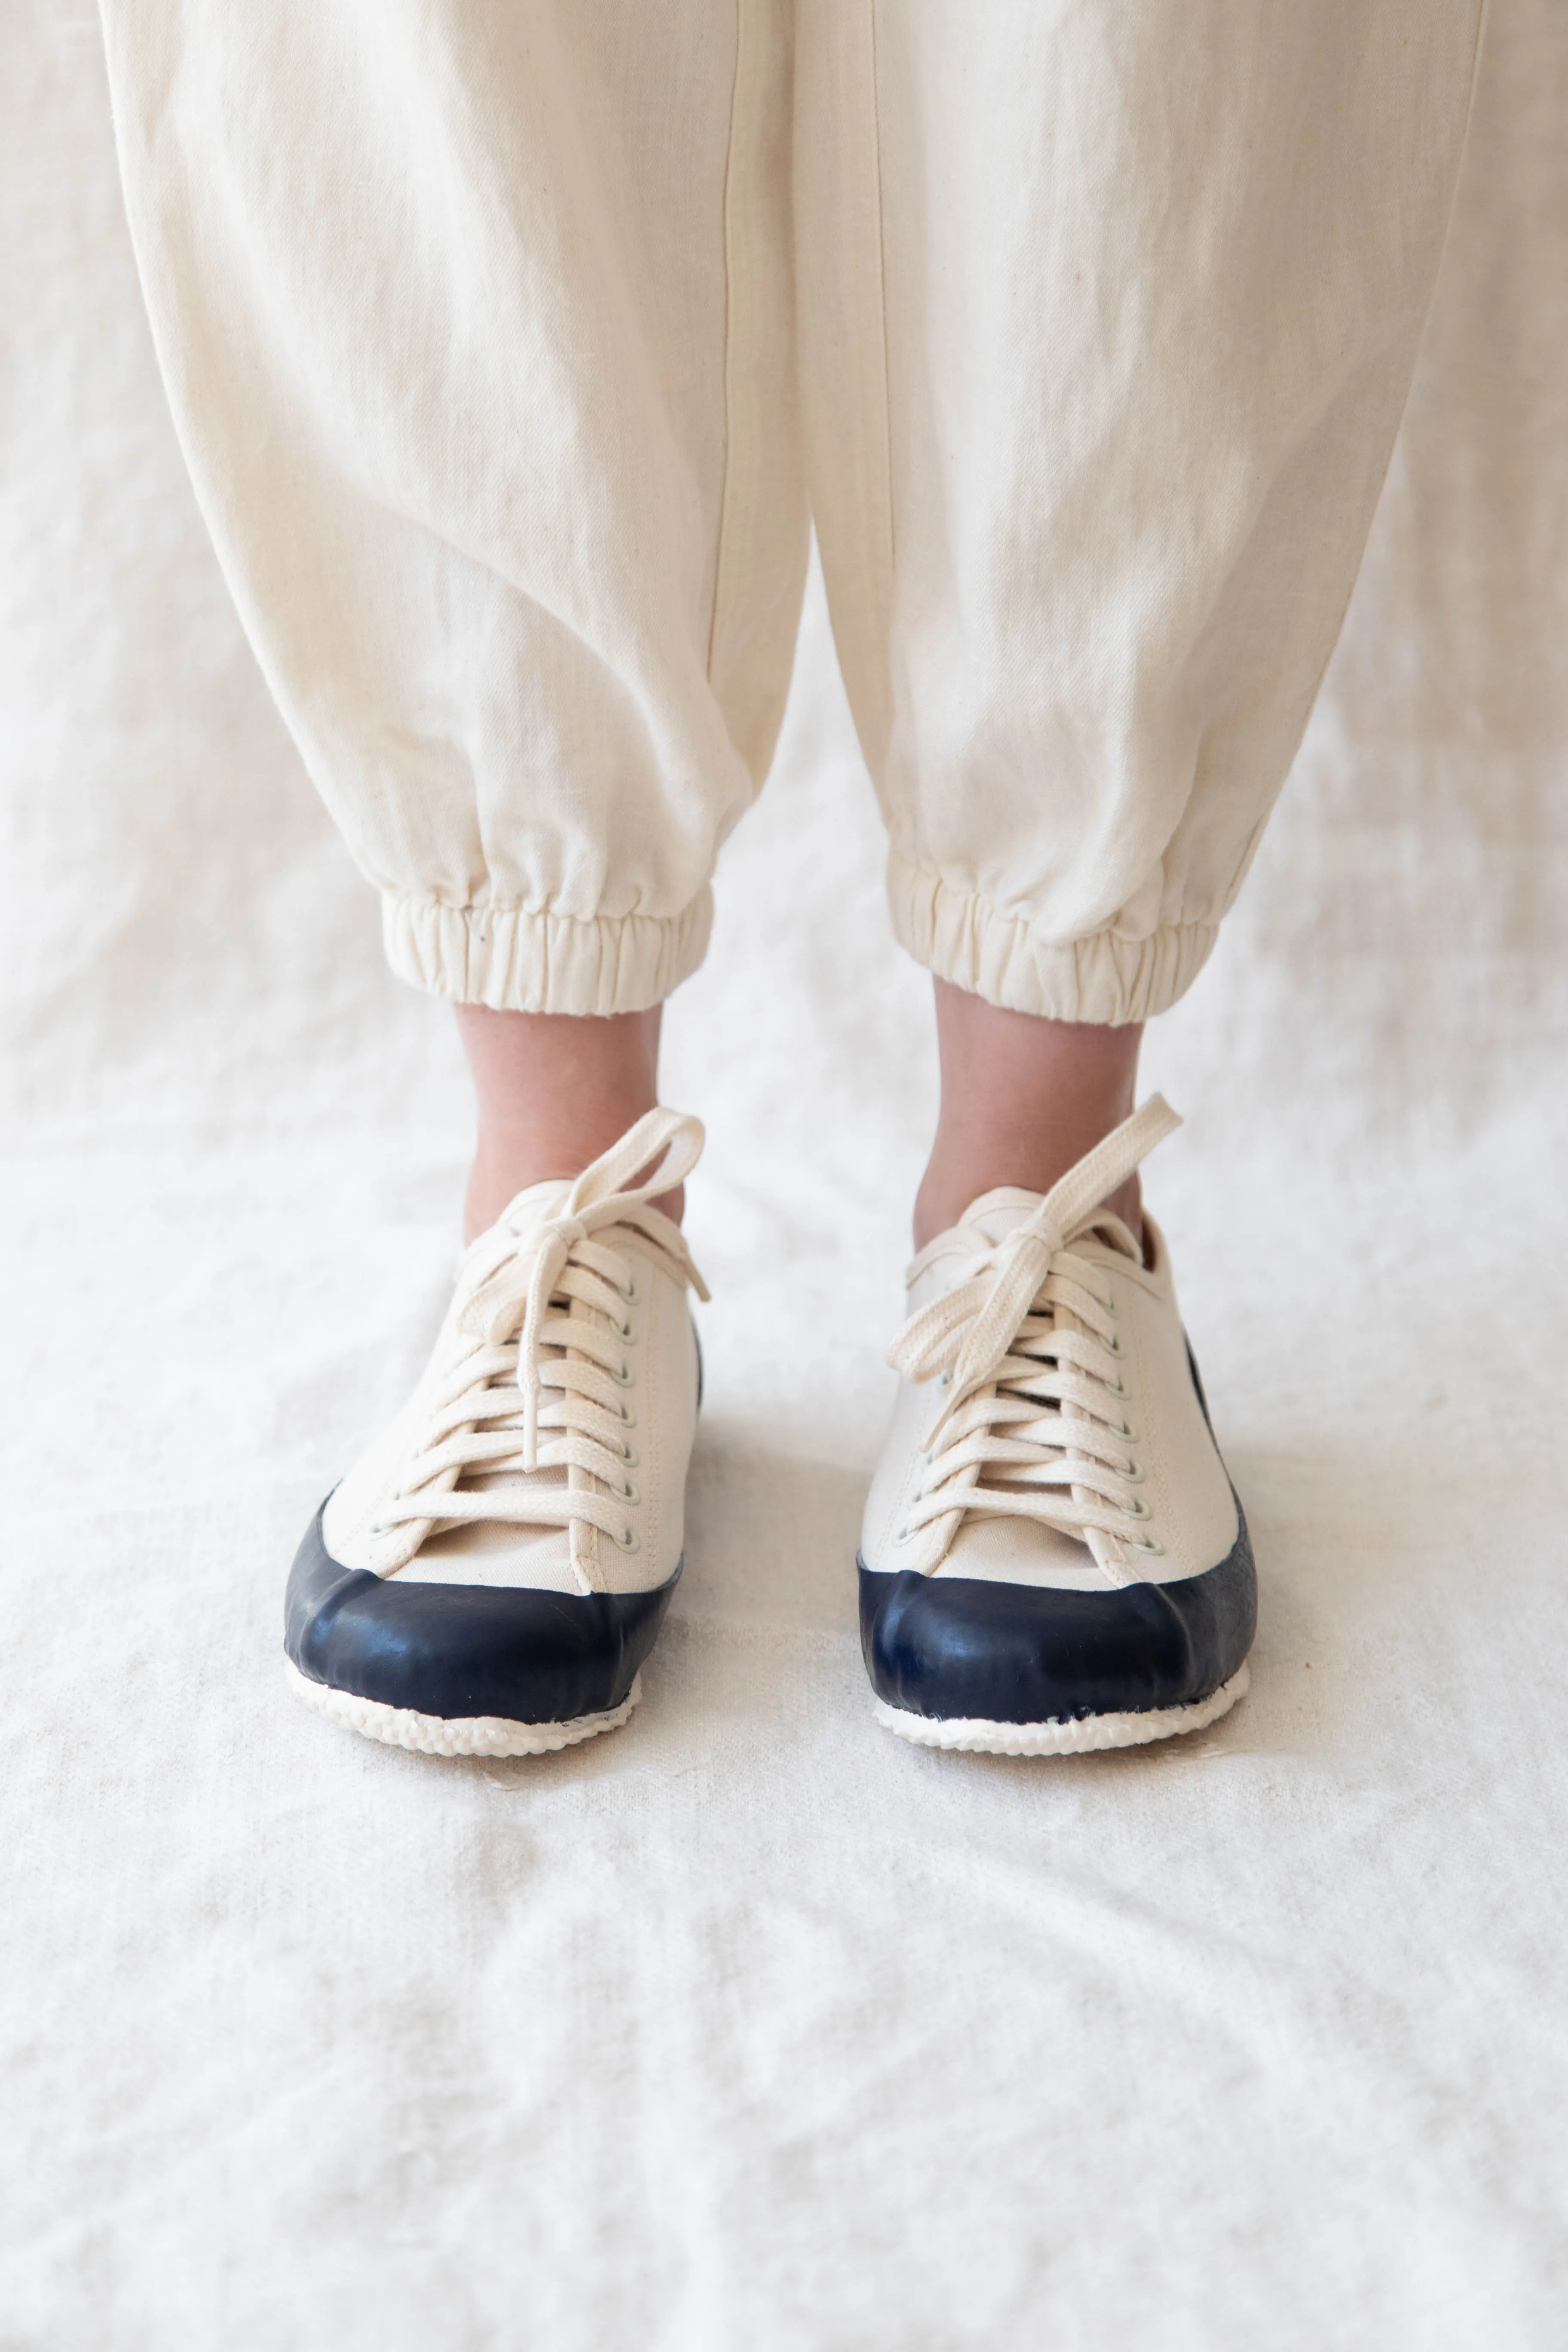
491,1417
1027,1356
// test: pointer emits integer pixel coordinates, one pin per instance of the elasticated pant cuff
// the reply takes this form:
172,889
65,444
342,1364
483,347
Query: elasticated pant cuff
1105,977
519,961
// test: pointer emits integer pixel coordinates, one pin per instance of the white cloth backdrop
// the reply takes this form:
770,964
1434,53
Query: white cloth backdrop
750,2027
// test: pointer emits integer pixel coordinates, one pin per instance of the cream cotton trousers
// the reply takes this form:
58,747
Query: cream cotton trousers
513,342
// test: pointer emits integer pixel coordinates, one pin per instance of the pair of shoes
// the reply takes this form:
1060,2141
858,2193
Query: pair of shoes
1053,1557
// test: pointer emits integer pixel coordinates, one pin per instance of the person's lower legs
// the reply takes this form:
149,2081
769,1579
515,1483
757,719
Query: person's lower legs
553,1090
1022,1100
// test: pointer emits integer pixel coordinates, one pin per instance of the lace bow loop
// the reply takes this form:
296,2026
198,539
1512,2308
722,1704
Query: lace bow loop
970,1330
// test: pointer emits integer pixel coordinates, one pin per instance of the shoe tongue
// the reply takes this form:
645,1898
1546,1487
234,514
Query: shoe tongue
523,1214
997,1214
988,1221
534,1203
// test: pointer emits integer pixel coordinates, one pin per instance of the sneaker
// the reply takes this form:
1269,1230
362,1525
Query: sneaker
488,1580
1053,1557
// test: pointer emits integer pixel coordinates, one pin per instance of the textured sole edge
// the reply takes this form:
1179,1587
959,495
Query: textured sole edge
463,1735
1080,1737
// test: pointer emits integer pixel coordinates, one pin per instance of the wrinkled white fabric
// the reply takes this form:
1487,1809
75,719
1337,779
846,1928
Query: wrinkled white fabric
508,339
750,2026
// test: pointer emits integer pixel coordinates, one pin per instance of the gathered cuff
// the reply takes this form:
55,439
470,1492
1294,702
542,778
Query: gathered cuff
1105,977
519,959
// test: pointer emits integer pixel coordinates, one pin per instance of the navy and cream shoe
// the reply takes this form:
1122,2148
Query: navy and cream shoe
1054,1557
488,1580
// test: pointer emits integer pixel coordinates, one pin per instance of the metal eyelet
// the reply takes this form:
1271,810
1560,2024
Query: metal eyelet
626,1492
1118,1387
630,1456
1147,1543
622,1330
625,1377
943,1381
1110,1307
1113,1346
628,1417
1125,1430
901,1535
631,1293
630,1540
1132,1474
1136,1509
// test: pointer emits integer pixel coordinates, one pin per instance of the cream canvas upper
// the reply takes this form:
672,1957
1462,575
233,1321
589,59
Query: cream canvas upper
1066,1445
547,1441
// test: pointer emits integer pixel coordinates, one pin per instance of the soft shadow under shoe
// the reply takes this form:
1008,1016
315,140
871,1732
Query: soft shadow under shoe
1054,1557
488,1577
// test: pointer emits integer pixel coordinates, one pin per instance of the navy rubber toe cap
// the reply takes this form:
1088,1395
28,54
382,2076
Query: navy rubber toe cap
463,1650
958,1648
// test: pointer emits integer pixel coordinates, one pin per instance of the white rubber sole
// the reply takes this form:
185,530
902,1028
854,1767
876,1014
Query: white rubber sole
1080,1738
463,1734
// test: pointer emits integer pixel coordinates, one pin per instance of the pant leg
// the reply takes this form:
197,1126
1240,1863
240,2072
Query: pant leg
1109,312
475,318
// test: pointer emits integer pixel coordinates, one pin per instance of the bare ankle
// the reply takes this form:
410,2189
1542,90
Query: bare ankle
553,1091
1022,1099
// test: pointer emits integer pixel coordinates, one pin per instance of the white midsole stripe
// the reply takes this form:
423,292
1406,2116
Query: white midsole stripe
468,1734
1079,1736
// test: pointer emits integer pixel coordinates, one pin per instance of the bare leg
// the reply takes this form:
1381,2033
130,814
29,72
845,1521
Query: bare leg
554,1092
1022,1100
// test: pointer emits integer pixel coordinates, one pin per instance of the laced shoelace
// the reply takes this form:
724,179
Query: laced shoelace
1027,1358
541,1388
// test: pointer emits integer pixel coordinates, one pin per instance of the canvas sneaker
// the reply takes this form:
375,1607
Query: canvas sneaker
490,1577
1054,1557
